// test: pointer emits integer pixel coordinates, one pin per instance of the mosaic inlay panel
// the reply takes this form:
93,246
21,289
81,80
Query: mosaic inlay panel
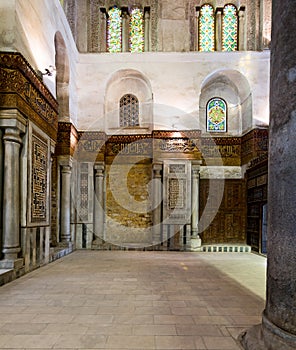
39,179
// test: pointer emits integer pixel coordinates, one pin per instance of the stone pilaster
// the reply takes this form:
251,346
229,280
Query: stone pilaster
218,24
125,32
65,228
99,210
195,239
146,31
241,31
11,195
156,202
278,328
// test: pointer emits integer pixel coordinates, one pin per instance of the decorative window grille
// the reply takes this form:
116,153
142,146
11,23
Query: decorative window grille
216,115
206,28
229,28
114,28
129,111
136,31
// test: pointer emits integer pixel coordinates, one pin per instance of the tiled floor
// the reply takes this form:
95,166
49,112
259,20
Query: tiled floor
134,300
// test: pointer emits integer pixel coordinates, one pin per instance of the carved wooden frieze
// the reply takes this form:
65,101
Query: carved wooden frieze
20,88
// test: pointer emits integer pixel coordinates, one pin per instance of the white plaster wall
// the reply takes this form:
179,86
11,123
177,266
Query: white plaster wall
176,80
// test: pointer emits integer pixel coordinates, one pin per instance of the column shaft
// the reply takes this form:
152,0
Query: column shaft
195,201
65,204
11,194
99,210
156,202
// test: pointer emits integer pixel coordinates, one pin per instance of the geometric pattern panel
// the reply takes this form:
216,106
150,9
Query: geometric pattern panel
136,31
83,208
216,115
129,111
114,25
229,28
39,179
206,29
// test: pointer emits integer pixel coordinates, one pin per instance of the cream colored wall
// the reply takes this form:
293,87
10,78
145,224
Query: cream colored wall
176,80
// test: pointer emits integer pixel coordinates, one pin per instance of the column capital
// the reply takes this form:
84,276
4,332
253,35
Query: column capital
99,169
12,134
13,119
65,161
157,168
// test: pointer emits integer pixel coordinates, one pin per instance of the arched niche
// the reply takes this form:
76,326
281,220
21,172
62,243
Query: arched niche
234,89
62,77
120,83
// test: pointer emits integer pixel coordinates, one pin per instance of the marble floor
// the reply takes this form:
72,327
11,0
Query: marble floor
134,300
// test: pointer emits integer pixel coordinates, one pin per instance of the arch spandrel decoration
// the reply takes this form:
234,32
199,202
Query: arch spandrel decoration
216,115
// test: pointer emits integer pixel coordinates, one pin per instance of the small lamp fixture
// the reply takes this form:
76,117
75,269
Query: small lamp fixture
49,71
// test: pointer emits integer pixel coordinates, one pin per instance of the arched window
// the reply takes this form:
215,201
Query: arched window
206,28
229,28
129,110
114,25
216,115
136,31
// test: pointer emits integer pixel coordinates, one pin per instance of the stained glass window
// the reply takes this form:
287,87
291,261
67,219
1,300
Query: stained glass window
229,28
216,115
129,110
206,28
136,31
114,30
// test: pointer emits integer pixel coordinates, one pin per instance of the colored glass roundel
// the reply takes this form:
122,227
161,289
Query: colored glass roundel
114,30
229,28
216,115
136,31
206,28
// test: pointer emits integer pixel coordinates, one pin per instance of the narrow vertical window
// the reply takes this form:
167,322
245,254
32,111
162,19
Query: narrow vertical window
114,30
229,28
136,31
206,28
216,115
129,110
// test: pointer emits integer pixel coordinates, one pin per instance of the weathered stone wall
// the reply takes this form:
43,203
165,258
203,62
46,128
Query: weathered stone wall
128,202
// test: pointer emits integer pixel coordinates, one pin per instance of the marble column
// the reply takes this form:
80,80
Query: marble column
278,328
156,202
65,227
99,212
11,194
195,239
218,38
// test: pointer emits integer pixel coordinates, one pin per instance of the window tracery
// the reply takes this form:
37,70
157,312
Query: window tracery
129,111
229,28
206,28
216,112
114,27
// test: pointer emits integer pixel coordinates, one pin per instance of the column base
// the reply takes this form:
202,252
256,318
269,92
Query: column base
195,244
15,264
267,336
